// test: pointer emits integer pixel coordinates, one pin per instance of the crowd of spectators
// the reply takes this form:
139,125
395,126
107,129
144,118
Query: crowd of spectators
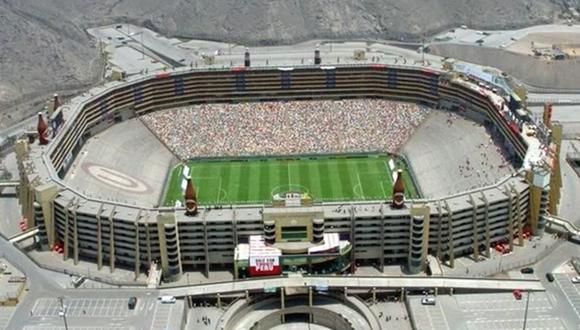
286,128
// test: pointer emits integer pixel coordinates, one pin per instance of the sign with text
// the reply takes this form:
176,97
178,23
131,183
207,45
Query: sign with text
264,266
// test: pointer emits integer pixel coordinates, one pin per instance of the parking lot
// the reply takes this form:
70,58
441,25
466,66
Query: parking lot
570,290
5,315
486,311
79,307
549,323
169,316
428,317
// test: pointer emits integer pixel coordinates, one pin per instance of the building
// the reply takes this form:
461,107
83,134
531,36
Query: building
12,284
121,235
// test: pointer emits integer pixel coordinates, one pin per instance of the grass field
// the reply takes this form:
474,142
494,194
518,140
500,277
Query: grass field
255,180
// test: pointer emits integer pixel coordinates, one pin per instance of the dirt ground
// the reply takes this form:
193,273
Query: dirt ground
566,42
45,47
540,73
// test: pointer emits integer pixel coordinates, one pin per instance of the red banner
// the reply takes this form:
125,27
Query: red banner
265,266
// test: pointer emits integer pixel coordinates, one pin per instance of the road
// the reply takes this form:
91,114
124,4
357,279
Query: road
555,98
500,38
20,127
354,282
44,288
569,206
43,284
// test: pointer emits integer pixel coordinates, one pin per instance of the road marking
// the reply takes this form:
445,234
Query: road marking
567,296
362,194
443,315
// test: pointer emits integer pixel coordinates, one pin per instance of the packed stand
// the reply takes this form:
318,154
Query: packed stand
285,128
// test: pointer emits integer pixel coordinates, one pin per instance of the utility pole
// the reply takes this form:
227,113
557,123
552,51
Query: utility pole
63,312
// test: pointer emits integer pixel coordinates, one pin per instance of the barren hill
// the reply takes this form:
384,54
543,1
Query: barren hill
44,46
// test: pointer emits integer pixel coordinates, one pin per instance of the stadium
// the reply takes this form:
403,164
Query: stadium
267,170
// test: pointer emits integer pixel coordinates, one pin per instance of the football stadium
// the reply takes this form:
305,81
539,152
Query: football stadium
364,177
266,170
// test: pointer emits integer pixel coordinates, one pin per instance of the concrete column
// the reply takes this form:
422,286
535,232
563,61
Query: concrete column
439,233
234,227
519,222
66,233
353,239
112,240
75,237
282,304
148,237
310,303
374,291
487,231
475,229
382,260
402,294
99,239
450,234
247,293
45,195
205,245
137,251
219,301
510,219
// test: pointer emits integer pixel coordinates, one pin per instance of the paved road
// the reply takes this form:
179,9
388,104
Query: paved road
569,206
555,98
43,289
20,127
39,282
501,38
43,286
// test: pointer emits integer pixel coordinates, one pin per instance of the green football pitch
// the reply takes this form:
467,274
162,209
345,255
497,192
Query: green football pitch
252,180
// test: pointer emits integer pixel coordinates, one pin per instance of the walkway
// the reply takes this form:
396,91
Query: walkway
355,282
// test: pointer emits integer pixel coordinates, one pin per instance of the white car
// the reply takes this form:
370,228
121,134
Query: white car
167,299
575,279
428,301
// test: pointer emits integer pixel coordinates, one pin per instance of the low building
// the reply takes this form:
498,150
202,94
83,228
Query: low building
12,284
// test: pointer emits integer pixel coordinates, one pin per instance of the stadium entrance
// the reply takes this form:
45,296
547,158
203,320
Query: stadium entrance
293,241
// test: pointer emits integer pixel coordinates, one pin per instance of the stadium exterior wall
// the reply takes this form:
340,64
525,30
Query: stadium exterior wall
120,235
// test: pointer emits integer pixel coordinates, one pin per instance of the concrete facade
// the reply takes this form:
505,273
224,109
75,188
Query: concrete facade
121,235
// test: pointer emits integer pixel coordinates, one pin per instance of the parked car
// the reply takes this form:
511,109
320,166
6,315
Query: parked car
132,302
428,301
575,279
167,299
550,277
518,294
527,270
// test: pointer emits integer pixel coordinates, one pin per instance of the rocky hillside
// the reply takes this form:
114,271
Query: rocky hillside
45,47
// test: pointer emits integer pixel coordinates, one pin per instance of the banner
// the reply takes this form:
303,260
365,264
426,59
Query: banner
265,266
